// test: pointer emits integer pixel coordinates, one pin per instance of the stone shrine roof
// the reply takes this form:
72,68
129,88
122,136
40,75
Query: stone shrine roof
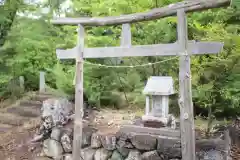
159,85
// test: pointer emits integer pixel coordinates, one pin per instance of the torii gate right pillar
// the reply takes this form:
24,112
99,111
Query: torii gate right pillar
185,94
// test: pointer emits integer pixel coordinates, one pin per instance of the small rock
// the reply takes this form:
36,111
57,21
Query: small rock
66,142
95,141
67,157
37,138
88,153
110,123
31,149
170,147
129,145
172,121
56,133
122,136
116,156
124,151
124,147
144,142
210,155
134,155
152,155
102,154
58,108
138,121
86,136
109,141
42,158
41,154
47,124
86,140
96,120
52,148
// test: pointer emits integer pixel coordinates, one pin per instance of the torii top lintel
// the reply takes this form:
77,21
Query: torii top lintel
170,10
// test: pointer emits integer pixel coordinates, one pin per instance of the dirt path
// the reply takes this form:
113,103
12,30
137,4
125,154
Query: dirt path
15,144
18,124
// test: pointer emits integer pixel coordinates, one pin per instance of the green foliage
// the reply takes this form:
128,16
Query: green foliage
236,4
63,78
29,47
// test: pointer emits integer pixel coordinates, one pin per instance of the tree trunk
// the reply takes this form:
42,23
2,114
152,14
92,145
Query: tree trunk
8,11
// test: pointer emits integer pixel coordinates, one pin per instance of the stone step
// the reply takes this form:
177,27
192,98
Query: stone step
12,119
31,103
24,111
5,127
41,97
45,93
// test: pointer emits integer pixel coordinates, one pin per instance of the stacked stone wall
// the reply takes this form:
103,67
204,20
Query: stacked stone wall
56,136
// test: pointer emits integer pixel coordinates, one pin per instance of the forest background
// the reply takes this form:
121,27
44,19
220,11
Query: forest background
28,45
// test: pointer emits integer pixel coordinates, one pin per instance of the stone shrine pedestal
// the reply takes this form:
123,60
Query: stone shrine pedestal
154,122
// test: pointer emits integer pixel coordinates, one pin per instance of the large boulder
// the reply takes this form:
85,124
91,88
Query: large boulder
96,141
88,153
170,147
56,133
52,148
134,155
152,155
116,156
102,154
210,155
87,135
109,141
66,141
58,108
124,147
67,157
144,142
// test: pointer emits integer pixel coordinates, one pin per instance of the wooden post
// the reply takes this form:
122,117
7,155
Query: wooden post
185,93
21,82
227,140
147,109
126,36
77,141
165,105
42,82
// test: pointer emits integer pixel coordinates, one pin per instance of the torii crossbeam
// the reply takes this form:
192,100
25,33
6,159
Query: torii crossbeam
193,48
183,48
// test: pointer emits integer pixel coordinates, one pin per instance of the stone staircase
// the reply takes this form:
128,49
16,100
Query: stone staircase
23,111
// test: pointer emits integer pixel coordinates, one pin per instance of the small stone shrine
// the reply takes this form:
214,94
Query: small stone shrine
157,91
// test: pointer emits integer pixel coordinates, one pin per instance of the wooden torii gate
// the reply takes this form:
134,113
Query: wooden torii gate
183,48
